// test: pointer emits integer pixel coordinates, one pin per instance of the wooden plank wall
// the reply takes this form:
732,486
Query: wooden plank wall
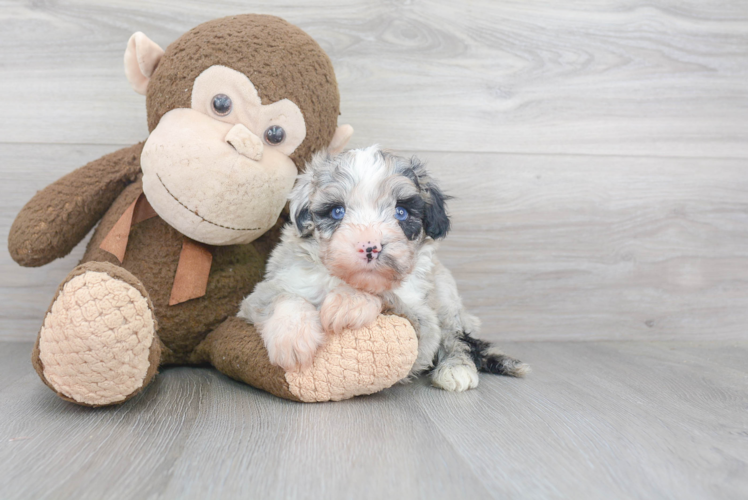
598,151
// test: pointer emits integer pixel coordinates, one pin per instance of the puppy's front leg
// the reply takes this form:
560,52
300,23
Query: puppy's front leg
455,369
426,325
293,332
346,307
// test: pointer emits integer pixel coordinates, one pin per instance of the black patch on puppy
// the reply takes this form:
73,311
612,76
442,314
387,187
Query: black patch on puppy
436,223
304,222
488,360
323,219
413,225
435,220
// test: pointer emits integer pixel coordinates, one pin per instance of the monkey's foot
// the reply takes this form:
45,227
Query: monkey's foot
357,362
352,363
98,343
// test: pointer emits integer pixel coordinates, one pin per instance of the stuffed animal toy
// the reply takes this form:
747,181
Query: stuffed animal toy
235,108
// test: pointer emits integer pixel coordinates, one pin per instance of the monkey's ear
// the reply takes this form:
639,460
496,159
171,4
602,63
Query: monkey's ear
340,139
141,58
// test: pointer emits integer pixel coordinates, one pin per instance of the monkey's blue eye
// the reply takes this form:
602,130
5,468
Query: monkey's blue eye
401,213
222,104
337,213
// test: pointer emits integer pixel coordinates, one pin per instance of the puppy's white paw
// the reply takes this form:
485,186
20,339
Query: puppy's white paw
347,308
455,378
292,335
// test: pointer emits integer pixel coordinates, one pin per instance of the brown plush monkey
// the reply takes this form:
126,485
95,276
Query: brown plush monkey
235,107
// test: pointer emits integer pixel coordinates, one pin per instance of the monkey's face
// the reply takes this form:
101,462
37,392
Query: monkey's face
219,172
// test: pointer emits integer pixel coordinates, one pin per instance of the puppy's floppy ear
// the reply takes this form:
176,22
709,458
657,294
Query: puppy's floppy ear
299,206
436,222
302,191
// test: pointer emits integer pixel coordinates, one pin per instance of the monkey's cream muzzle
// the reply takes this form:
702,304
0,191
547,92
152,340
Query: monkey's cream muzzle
214,181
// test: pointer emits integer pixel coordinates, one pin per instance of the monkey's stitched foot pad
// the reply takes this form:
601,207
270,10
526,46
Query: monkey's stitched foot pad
95,344
358,362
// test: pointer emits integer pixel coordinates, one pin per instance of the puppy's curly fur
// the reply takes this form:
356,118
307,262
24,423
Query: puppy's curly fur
362,241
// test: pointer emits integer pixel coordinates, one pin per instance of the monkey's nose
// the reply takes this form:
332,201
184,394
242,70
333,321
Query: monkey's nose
245,142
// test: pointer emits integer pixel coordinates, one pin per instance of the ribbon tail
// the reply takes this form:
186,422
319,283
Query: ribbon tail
115,241
193,270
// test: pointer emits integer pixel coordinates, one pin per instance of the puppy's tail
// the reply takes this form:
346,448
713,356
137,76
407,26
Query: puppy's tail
489,359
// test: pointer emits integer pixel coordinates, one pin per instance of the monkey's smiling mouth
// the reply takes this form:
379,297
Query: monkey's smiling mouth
200,216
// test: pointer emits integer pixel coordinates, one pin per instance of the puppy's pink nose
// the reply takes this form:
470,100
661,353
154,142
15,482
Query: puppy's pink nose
370,249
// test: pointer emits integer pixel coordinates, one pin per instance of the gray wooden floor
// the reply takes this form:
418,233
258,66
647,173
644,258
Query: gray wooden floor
598,157
594,420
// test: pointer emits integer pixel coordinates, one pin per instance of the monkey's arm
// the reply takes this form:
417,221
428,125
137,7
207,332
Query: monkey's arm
60,215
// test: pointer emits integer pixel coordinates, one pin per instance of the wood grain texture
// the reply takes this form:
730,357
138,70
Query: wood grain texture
542,247
663,78
597,154
593,420
563,247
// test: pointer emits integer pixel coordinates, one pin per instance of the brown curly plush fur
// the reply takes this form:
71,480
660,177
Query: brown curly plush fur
58,217
282,61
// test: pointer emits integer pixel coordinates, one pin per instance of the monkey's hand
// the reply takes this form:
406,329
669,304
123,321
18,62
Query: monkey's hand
59,216
346,307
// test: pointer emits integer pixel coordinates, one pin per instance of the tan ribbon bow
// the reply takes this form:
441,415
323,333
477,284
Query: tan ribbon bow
195,259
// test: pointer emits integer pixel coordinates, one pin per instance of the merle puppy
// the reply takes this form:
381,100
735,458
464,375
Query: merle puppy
363,241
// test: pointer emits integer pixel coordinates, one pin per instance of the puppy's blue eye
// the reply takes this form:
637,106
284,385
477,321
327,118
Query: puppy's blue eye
337,213
401,213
